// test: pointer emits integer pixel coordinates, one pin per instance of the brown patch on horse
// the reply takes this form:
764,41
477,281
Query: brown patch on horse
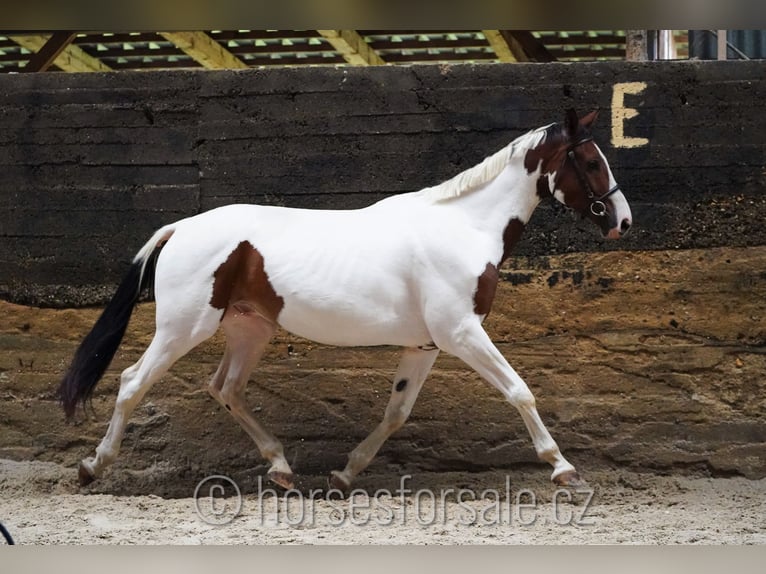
570,184
543,187
511,236
241,281
550,156
487,283
485,290
546,155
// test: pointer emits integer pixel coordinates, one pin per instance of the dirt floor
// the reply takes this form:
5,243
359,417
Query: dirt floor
647,366
41,505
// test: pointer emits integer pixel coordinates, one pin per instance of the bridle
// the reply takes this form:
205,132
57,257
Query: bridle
597,205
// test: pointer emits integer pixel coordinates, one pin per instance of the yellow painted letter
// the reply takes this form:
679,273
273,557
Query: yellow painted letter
620,113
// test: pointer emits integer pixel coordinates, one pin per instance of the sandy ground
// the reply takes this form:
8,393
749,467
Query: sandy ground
658,401
42,505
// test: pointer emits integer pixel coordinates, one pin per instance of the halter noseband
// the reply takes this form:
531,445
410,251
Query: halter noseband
597,205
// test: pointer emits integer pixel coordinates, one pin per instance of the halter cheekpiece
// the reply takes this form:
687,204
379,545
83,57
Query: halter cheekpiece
597,205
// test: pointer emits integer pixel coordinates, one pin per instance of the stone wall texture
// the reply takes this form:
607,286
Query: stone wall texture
93,164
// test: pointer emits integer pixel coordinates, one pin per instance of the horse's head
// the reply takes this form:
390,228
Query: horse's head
577,174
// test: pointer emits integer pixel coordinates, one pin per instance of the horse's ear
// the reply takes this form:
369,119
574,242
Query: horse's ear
588,120
572,122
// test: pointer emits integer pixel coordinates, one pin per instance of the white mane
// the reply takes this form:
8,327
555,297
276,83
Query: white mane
487,170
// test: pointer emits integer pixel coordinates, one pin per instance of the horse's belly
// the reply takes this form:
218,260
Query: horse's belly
345,327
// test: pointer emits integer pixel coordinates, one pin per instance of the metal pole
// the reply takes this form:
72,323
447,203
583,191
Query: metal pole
666,46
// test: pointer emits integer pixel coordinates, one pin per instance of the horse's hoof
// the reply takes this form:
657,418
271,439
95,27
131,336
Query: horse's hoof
282,479
569,479
337,482
84,476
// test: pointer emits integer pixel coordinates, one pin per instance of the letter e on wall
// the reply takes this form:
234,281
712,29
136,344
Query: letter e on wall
620,114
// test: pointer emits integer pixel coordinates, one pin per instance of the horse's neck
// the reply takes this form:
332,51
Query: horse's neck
511,195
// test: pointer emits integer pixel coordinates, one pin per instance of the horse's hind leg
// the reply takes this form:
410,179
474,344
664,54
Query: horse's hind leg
247,334
165,349
413,369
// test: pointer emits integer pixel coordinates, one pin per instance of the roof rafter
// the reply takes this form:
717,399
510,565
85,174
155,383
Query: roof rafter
500,46
526,47
203,49
71,59
42,59
352,47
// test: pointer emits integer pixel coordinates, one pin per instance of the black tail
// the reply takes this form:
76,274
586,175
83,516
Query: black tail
6,535
100,345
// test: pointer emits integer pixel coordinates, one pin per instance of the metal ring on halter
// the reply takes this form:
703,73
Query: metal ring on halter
598,208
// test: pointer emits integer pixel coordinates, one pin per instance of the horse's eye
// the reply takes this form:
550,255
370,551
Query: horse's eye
593,165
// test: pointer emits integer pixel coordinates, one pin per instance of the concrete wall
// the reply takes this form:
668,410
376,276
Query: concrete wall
92,164
651,357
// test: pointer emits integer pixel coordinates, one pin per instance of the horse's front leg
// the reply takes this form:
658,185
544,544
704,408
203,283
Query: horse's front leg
413,369
472,344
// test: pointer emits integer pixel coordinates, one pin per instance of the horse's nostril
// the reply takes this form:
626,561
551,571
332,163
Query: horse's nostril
625,225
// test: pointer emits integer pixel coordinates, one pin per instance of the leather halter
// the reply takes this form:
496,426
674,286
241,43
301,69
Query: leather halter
597,205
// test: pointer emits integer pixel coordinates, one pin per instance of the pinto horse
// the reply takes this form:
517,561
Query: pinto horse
417,270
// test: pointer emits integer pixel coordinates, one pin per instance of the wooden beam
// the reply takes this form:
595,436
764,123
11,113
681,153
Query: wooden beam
204,50
590,53
584,40
160,64
723,52
71,59
525,47
444,57
516,49
499,45
636,47
352,47
438,43
42,59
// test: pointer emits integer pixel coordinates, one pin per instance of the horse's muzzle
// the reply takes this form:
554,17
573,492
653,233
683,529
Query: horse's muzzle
616,233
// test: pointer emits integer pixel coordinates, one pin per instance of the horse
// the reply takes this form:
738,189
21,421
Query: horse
416,270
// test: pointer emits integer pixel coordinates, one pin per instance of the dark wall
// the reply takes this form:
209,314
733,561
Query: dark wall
93,163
